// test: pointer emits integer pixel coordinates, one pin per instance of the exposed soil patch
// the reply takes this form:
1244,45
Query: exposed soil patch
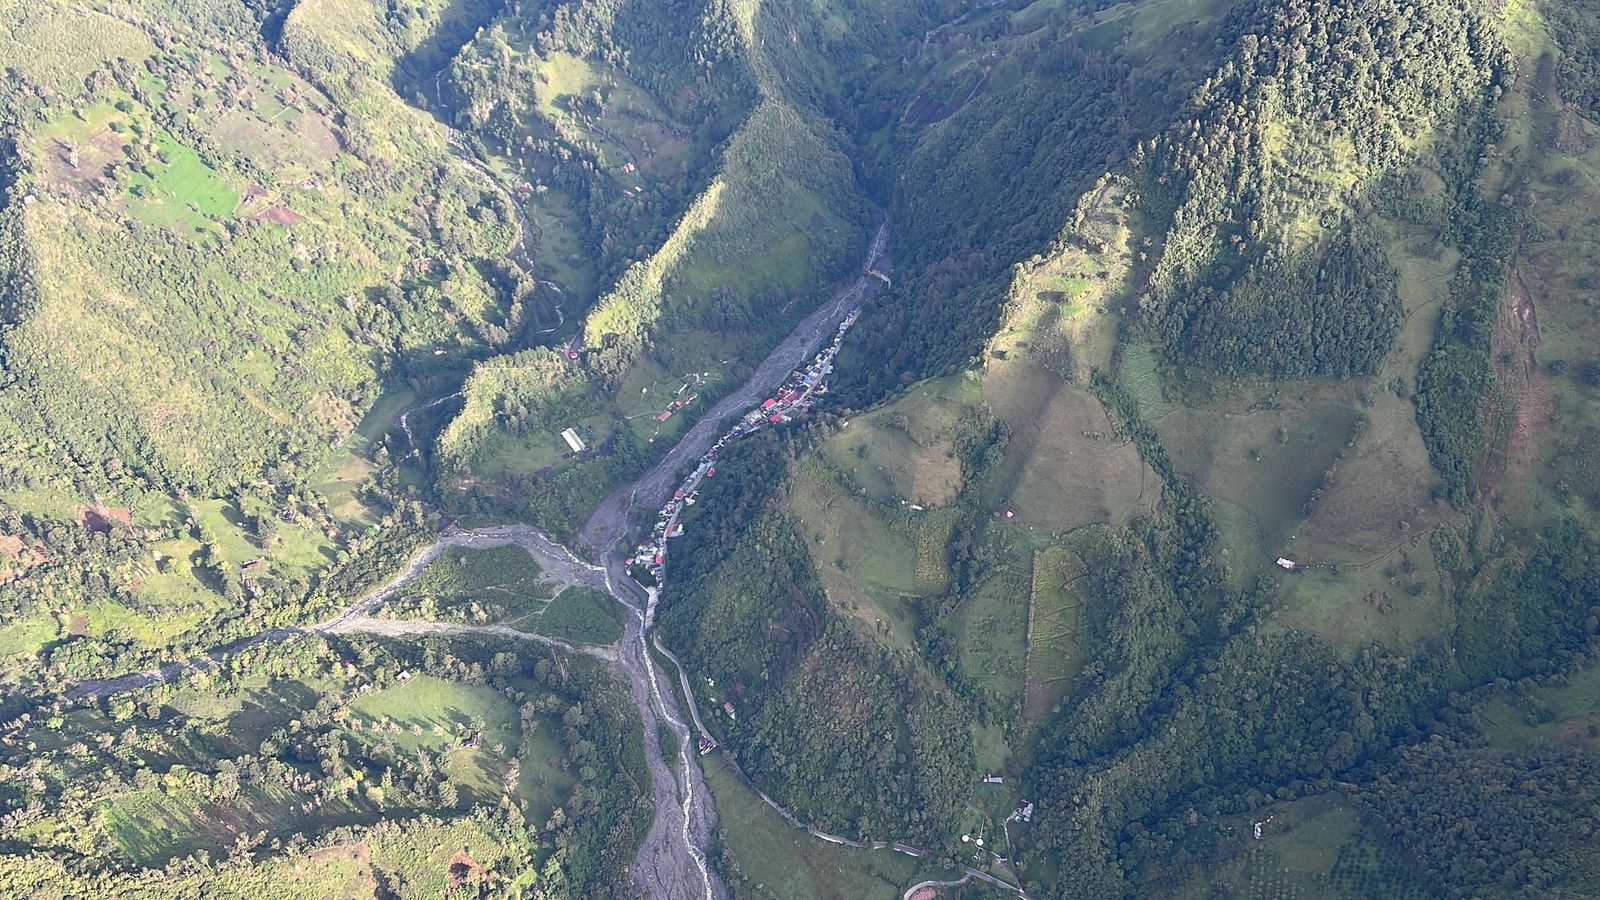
1582,732
467,875
100,518
278,213
926,110
22,557
1516,368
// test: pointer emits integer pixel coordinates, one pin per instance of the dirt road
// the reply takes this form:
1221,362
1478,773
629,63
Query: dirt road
608,525
671,861
556,560
411,627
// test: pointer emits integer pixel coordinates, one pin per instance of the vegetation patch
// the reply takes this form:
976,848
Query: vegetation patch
1064,466
1055,603
580,614
476,586
770,856
1269,460
865,555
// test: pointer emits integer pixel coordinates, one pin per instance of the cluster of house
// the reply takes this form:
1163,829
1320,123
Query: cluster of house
674,406
1023,813
793,396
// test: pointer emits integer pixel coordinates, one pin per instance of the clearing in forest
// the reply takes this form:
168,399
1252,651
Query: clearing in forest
1054,612
1064,466
904,452
868,555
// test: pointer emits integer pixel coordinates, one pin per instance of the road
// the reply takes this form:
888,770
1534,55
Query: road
556,560
413,627
607,527
671,862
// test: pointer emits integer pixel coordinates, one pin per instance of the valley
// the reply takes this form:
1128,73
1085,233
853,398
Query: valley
774,449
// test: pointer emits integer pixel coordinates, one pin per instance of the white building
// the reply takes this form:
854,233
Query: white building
573,441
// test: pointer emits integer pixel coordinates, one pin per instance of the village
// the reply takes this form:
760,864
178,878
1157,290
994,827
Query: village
795,395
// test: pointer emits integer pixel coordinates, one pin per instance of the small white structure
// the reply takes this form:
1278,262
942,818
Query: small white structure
1286,563
1255,827
572,439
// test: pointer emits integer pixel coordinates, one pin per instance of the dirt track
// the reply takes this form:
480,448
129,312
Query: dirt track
671,862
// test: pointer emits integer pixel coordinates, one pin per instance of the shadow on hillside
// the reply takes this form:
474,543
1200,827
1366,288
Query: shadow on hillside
417,74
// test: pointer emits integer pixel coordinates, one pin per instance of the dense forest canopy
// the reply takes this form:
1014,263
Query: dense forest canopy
1268,267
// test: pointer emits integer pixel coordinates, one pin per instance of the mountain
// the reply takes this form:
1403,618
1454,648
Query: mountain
1202,503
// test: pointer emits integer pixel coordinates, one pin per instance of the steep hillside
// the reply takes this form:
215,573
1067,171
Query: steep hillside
775,218
1294,324
217,267
1267,267
1023,108
1206,501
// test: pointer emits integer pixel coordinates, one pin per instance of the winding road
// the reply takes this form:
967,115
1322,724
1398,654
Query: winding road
671,862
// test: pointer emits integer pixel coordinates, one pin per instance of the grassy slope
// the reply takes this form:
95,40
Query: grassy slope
780,861
179,815
204,344
412,860
1333,474
775,220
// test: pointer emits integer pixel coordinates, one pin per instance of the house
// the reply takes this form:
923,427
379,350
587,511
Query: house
993,779
728,708
573,441
1286,563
